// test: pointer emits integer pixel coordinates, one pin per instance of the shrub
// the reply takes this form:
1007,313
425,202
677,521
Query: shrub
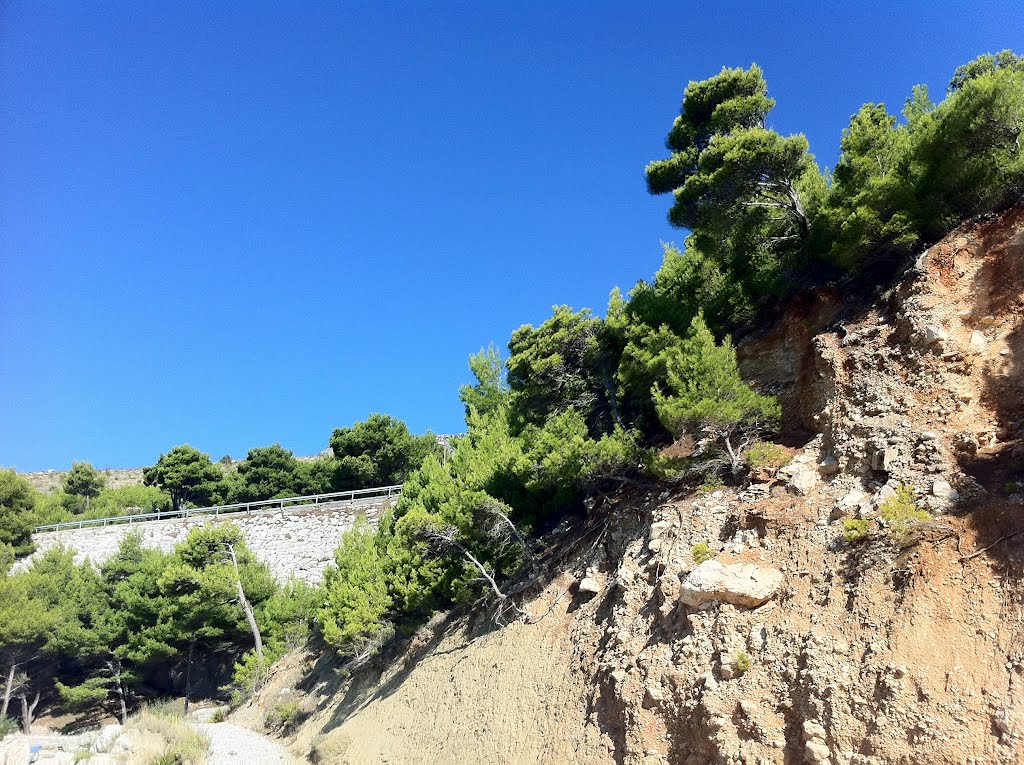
855,530
702,552
765,454
251,674
742,662
282,716
901,512
128,500
711,483
664,467
7,725
221,715
1012,487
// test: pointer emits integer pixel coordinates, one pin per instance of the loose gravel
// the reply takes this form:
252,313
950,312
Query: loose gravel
233,745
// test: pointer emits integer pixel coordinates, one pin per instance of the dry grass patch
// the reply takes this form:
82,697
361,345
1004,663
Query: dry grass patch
161,737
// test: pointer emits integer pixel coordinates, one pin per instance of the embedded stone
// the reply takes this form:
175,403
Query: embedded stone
816,750
658,529
828,466
741,584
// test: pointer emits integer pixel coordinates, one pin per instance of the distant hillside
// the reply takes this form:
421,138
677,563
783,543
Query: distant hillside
48,481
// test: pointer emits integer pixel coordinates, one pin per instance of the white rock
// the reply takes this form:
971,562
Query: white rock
587,584
816,751
813,729
935,334
942,490
978,341
887,491
106,737
741,584
654,693
802,477
658,529
853,498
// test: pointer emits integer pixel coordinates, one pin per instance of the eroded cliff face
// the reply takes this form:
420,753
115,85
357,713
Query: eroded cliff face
790,645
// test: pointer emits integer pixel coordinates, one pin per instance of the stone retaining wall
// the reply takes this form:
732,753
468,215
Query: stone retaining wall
298,542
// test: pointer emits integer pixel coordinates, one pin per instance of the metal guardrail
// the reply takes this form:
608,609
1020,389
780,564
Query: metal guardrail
241,508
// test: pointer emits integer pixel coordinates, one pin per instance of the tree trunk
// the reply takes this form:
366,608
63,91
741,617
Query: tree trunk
613,400
120,698
26,720
115,672
797,206
8,689
502,597
188,672
28,711
250,616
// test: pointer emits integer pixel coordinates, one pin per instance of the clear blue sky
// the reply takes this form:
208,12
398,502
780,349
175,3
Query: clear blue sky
247,223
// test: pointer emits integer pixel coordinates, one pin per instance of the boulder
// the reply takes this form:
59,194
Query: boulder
885,459
816,750
105,739
978,342
942,490
659,528
587,584
741,584
813,729
852,499
802,477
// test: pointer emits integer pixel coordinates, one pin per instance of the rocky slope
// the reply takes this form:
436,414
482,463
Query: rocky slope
790,644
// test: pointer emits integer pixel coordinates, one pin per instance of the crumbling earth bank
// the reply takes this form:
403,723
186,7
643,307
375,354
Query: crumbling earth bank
790,645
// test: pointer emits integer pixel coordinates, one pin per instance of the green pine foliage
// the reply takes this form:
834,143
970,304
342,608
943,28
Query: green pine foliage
747,193
267,472
128,500
84,481
705,394
356,597
901,513
188,475
568,362
490,390
767,221
17,512
379,451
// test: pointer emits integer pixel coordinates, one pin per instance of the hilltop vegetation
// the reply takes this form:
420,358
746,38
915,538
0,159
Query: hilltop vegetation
588,400
581,405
